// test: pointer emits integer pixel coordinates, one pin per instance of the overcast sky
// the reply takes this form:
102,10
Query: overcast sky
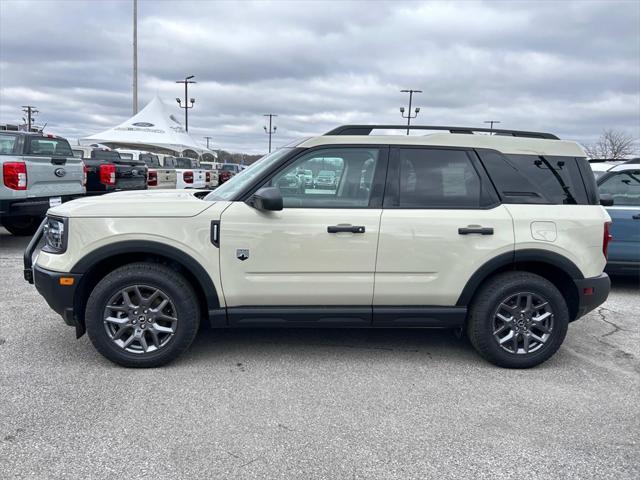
571,68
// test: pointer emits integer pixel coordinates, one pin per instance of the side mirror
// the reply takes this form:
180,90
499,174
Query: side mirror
606,200
267,198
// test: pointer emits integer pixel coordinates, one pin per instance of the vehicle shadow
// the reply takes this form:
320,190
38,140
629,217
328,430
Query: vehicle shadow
11,242
369,345
625,282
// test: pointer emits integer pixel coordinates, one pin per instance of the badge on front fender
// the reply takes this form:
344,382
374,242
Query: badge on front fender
242,254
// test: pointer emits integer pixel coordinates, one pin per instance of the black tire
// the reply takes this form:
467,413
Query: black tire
481,322
156,276
22,226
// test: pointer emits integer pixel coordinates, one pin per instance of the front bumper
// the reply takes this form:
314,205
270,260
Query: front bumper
592,292
59,297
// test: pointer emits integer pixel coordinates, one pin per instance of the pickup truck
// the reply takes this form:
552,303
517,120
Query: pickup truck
107,171
38,171
159,176
189,173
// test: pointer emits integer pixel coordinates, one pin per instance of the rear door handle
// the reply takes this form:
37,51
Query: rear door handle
477,230
345,229
636,217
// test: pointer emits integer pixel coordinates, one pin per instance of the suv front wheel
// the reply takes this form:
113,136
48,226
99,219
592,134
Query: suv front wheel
142,315
518,320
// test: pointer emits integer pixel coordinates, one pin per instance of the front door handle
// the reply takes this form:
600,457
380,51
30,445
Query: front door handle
345,229
636,217
479,230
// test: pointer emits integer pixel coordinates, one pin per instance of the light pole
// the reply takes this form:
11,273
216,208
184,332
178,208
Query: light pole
207,139
135,56
30,110
186,106
270,131
491,122
409,116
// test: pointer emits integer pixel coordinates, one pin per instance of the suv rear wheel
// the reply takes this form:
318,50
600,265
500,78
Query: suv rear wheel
518,320
142,315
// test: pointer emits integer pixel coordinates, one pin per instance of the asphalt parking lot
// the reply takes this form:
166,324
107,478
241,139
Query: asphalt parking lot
306,404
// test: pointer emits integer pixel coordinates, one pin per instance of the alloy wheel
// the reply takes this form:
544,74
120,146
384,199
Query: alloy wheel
140,319
523,323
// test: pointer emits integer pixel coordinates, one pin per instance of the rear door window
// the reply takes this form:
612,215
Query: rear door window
437,178
624,187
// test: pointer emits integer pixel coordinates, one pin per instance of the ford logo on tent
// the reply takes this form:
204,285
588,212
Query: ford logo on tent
142,124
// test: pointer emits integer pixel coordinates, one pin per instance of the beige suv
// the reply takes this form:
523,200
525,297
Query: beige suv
500,235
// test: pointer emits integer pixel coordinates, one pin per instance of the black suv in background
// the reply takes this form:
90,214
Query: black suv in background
107,171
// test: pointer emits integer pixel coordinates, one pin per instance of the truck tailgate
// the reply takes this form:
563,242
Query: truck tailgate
130,174
166,178
57,176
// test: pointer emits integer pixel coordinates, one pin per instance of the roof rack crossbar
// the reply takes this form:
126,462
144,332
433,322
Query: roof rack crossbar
366,130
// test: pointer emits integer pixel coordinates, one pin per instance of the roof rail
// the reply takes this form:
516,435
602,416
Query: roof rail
366,130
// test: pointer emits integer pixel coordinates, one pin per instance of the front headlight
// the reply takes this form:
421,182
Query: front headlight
55,235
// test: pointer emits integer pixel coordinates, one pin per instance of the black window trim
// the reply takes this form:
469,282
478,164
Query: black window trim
488,191
379,177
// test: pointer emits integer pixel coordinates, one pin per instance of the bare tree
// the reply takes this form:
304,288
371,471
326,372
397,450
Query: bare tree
613,145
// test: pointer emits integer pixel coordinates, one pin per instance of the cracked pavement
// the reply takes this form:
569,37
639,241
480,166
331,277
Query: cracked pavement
315,404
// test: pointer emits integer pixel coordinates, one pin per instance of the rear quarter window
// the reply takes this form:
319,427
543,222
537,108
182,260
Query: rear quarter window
536,179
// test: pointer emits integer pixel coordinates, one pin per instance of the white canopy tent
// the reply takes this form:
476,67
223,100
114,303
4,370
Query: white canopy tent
153,128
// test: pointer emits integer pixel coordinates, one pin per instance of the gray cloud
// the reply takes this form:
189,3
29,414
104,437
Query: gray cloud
572,68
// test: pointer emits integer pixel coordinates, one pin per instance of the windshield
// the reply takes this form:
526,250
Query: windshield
229,167
237,183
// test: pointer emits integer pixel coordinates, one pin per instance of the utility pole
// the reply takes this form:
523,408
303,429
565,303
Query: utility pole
207,139
409,116
492,122
271,131
186,106
135,56
31,111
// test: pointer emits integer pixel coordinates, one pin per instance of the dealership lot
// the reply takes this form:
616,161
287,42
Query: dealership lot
315,403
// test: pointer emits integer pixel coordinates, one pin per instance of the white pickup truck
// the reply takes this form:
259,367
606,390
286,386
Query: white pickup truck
189,173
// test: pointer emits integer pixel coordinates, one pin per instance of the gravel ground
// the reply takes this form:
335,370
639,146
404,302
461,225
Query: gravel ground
307,404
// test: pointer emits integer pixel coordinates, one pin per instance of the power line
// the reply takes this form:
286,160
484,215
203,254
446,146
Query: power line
31,111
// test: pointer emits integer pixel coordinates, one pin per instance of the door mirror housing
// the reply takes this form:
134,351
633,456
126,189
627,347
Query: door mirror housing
606,200
267,199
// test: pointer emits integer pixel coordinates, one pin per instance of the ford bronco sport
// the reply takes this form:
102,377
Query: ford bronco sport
501,236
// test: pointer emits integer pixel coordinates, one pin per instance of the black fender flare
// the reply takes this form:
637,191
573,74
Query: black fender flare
150,247
512,259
